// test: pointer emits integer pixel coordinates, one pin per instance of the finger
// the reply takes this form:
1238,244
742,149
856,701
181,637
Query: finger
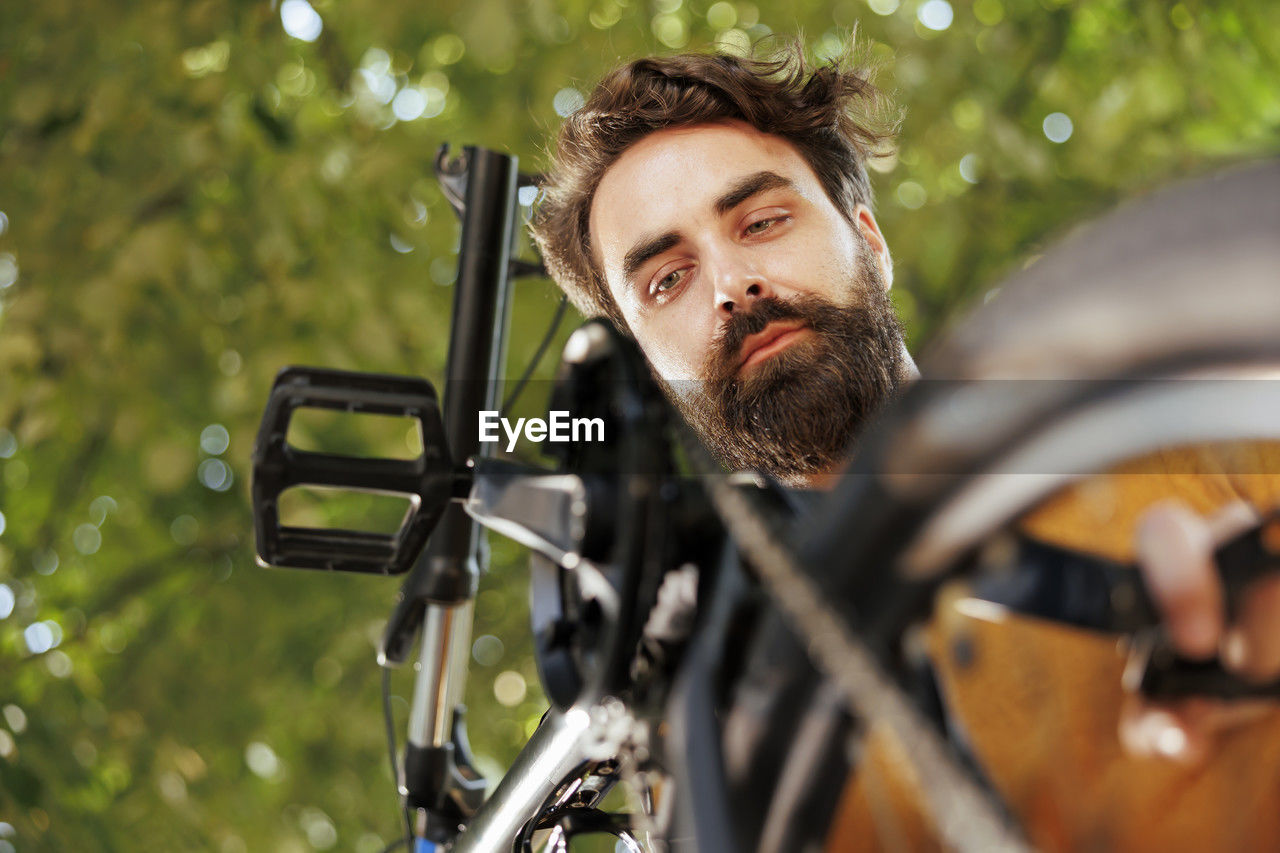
1184,731
1175,554
1158,730
1232,520
1251,647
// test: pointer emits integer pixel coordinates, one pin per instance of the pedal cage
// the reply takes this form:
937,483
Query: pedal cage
427,481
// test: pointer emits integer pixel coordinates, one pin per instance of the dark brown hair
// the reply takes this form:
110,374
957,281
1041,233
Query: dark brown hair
832,114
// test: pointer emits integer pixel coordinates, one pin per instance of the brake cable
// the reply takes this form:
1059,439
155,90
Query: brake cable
547,338
389,722
967,818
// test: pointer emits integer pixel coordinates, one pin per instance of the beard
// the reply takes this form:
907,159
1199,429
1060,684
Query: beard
796,413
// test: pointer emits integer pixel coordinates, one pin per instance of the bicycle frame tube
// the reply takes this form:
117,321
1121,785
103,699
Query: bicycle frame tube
554,751
428,721
446,642
438,593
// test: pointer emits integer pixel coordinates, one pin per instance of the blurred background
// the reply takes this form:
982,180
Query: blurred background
194,194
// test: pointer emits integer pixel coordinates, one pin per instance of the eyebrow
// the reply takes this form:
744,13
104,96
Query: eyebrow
749,186
744,189
646,249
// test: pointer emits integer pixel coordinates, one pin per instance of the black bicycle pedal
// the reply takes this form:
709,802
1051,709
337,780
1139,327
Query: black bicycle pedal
427,480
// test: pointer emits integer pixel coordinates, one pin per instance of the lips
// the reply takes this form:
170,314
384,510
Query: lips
776,337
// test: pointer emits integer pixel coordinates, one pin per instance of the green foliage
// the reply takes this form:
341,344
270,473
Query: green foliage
193,199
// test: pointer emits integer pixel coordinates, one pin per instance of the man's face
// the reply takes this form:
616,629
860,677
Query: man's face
760,307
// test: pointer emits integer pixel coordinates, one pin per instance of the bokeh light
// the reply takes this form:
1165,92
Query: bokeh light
883,7
487,650
38,637
604,14
45,562
830,47
87,539
375,74
671,30
229,362
300,20
8,270
722,15
448,49
15,718
184,530
215,474
100,508
171,786
509,688
911,195
988,12
8,444
409,103
318,827
567,101
381,86
214,439
435,99
936,15
1057,127
296,80
734,42
58,663
969,168
262,760
7,601
208,59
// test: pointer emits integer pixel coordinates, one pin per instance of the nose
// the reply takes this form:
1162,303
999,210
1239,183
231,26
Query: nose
737,286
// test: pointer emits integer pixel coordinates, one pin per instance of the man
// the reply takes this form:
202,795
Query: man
727,227
717,209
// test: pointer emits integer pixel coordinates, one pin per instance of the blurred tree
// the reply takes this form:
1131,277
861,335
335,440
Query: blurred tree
195,194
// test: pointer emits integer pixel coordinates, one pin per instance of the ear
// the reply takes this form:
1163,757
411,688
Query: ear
866,222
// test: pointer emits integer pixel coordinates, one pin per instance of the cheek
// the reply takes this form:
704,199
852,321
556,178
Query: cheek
826,268
676,350
676,358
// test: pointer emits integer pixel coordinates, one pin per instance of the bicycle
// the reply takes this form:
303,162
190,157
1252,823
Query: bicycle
647,579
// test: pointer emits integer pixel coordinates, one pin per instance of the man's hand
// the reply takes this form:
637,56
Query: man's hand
1175,553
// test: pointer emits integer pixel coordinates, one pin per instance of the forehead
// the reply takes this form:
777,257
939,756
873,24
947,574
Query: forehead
671,177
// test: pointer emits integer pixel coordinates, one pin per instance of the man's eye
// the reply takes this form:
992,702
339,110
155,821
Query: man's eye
669,281
760,226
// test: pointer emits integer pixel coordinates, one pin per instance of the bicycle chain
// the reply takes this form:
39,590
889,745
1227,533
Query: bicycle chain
966,817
